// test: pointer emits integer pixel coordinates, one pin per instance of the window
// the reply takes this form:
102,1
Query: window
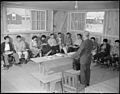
38,20
94,21
91,21
19,19
77,21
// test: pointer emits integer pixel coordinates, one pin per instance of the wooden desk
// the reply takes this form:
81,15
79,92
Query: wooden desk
54,64
48,62
109,86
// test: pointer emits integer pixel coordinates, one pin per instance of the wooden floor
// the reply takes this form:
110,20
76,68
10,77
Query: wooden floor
19,79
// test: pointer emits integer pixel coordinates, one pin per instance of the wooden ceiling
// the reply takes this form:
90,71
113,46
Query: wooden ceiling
65,5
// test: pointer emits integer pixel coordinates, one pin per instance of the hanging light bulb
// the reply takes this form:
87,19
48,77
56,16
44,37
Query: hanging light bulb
76,4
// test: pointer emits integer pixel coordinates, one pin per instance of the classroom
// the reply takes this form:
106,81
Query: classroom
60,47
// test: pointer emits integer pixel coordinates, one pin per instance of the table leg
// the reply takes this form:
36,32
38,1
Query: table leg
41,68
52,86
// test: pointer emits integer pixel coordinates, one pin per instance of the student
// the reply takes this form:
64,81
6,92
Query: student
104,51
20,47
34,47
77,42
45,47
7,49
115,54
53,44
68,42
95,46
60,41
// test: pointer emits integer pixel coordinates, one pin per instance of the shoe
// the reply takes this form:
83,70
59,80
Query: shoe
87,85
25,61
17,63
6,66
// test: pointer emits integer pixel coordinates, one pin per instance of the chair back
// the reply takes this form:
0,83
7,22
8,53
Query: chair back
69,82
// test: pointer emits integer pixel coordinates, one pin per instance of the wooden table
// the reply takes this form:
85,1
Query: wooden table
48,62
50,69
109,86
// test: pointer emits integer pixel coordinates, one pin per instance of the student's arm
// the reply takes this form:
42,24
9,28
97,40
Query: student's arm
49,42
12,47
31,45
15,46
23,46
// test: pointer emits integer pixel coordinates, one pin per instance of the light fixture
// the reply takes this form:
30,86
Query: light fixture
76,4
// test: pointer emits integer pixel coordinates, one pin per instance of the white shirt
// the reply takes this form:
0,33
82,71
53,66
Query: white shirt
7,47
78,42
52,42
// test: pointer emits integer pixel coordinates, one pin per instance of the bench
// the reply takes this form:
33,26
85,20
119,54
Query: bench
48,82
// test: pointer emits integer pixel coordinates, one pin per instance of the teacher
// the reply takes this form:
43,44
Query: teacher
84,53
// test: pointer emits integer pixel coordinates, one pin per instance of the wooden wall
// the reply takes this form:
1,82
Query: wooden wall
58,21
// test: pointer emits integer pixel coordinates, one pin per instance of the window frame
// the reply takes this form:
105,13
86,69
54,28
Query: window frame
27,30
103,21
71,20
37,21
85,21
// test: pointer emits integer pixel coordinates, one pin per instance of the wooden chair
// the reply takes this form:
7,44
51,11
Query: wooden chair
70,81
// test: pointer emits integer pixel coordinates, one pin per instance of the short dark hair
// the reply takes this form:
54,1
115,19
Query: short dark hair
59,33
80,35
43,36
34,37
68,33
117,41
18,36
105,40
6,37
51,34
93,38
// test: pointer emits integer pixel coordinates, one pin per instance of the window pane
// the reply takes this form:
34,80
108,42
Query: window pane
94,21
77,21
16,19
34,25
42,25
39,18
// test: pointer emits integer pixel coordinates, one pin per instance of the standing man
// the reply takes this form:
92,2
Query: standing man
84,53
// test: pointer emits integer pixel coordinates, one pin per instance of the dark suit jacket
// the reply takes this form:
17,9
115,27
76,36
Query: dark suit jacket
84,52
107,49
3,47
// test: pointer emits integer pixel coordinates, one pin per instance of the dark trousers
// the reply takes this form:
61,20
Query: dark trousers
85,74
100,55
55,49
72,49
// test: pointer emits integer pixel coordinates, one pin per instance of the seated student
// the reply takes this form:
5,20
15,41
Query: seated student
95,46
34,47
45,47
115,54
77,42
60,41
53,44
20,47
68,42
104,51
7,49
